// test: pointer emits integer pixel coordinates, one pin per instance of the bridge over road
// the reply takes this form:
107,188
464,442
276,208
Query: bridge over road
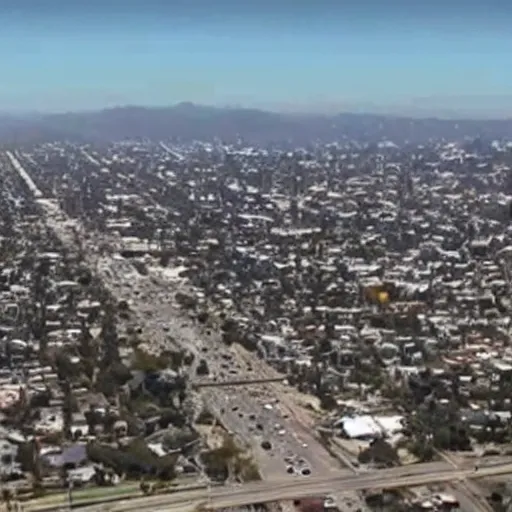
296,488
210,383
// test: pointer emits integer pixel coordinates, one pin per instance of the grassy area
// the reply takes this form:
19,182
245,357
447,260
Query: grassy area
88,494
100,492
85,496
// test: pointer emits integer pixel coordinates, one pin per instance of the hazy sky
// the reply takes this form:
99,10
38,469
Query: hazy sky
285,54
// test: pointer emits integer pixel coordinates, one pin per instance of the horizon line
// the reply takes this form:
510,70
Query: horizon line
397,112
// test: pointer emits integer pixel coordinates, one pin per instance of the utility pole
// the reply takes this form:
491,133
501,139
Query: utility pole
70,493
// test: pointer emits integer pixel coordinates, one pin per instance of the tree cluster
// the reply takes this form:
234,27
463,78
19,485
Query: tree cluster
134,460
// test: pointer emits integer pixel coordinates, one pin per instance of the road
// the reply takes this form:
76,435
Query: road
261,413
210,383
172,152
468,494
290,489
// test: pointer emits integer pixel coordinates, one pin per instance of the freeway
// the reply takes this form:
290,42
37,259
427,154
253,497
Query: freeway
157,315
257,492
263,415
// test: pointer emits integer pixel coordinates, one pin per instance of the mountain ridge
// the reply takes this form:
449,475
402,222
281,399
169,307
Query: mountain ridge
188,121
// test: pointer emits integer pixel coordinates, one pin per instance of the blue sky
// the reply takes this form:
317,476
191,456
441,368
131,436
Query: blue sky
388,55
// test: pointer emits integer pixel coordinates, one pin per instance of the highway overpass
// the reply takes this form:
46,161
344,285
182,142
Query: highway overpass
209,383
300,487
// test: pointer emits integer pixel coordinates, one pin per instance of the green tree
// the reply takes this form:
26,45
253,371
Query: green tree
109,337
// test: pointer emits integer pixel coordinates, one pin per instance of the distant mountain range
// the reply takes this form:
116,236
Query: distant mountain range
187,122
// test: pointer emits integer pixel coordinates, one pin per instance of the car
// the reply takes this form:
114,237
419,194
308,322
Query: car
266,445
329,502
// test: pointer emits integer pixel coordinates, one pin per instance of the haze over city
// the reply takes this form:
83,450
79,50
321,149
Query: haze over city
255,256
443,59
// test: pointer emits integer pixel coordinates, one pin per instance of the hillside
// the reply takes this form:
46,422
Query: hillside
187,122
